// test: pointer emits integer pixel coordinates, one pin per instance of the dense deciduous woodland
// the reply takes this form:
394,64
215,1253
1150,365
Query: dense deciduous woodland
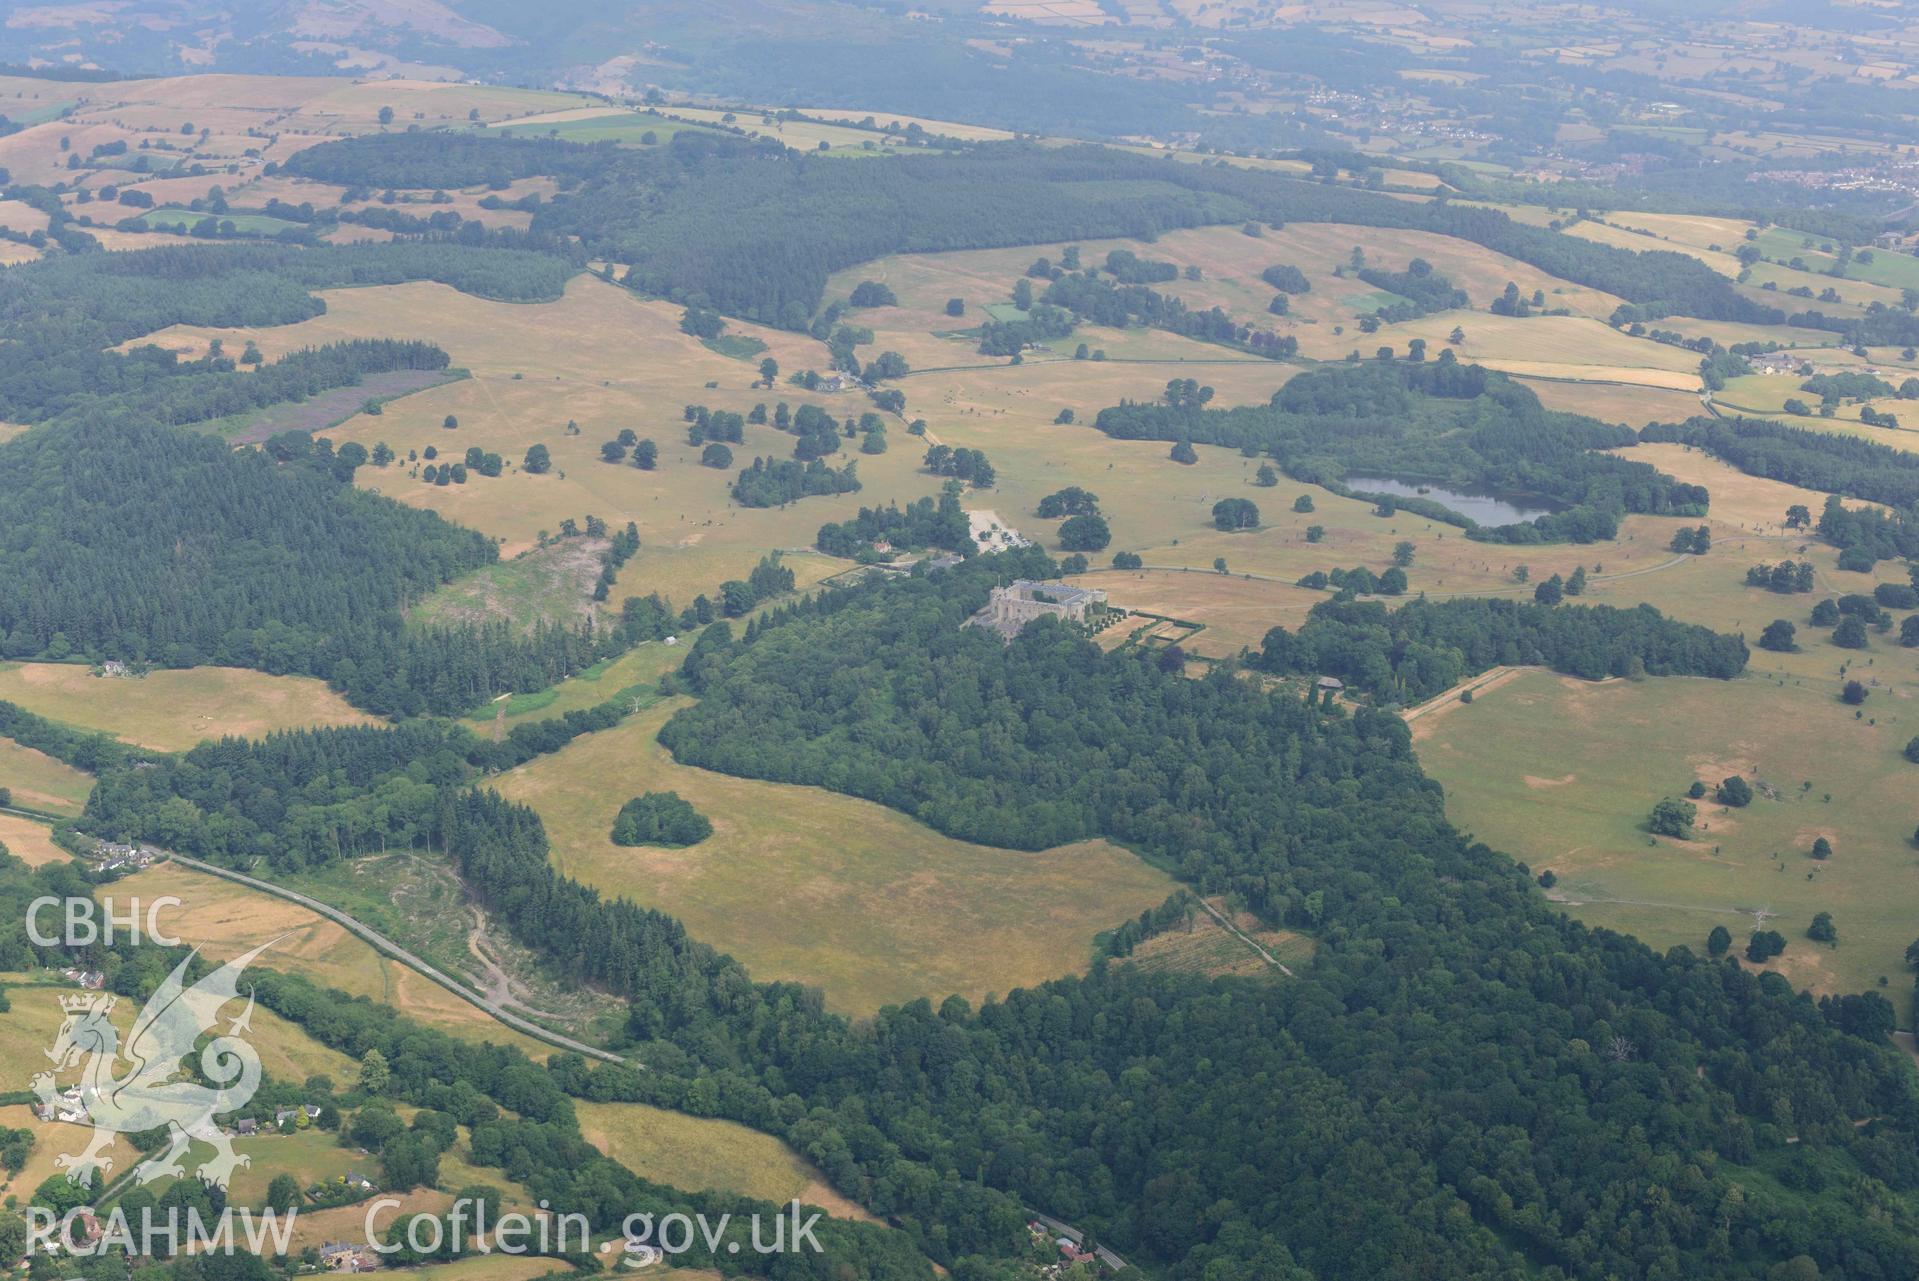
1423,647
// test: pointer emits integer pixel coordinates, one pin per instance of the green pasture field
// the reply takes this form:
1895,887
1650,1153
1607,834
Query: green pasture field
40,782
184,220
640,665
311,1156
737,347
621,127
1562,774
171,710
804,884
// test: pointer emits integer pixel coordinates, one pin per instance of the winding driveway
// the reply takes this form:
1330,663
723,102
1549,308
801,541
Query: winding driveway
387,947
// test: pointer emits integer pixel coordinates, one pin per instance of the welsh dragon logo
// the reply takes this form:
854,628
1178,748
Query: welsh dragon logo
155,1090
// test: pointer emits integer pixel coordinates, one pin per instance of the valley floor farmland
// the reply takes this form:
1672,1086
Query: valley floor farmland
818,888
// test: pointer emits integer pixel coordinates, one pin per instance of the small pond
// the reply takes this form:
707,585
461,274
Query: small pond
1488,507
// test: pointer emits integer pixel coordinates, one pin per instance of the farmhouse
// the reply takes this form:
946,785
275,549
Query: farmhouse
343,1256
1014,606
66,1106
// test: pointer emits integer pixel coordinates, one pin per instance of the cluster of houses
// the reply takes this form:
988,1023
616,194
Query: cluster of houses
299,1118
111,856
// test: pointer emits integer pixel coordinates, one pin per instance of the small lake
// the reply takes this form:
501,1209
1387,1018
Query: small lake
1486,506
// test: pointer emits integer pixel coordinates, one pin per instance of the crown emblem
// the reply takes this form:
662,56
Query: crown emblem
81,1003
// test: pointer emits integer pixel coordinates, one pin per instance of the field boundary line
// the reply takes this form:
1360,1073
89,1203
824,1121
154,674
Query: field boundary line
387,947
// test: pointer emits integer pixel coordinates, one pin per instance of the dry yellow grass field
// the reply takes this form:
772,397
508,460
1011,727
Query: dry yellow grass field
698,1154
27,1031
50,1140
1633,406
171,710
606,360
1236,611
38,781
804,884
30,842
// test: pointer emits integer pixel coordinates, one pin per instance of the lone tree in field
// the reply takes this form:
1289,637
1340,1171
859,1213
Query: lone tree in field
1304,503
1851,632
1183,452
1912,751
646,455
1718,941
1235,513
1854,694
1821,848
1764,945
449,422
1673,818
1778,637
1085,533
1822,929
1736,792
538,461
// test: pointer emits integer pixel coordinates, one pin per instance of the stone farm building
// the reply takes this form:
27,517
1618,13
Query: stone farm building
1019,603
